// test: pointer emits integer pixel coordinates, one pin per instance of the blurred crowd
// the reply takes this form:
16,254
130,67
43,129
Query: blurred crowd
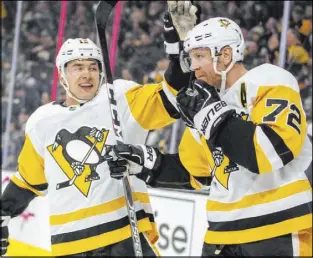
140,56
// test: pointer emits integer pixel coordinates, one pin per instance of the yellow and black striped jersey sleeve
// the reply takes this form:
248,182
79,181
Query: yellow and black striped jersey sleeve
15,199
275,134
27,183
30,174
281,126
193,157
184,170
192,154
152,105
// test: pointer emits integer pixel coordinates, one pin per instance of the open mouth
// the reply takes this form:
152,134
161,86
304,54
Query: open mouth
86,85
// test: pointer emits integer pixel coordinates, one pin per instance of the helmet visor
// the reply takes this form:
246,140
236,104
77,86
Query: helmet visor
185,62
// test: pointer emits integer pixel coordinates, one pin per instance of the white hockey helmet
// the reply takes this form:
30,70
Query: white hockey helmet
216,33
78,48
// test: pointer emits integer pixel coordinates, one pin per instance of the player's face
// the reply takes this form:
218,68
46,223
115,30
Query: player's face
202,65
83,77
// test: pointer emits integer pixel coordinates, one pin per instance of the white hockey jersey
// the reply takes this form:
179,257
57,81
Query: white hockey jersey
89,211
243,206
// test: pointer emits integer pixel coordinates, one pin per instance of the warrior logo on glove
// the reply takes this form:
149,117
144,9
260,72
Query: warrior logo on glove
78,154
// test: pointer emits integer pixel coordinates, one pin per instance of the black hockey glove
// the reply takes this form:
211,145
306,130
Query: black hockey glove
141,159
172,43
200,107
5,218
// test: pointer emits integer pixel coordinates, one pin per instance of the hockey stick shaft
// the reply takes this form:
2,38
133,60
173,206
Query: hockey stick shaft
103,11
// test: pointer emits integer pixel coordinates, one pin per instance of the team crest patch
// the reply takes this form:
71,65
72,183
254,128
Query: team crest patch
222,167
78,154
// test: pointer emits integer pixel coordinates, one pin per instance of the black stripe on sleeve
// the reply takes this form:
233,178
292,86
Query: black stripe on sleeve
40,187
171,174
174,75
280,147
204,180
236,140
171,110
16,199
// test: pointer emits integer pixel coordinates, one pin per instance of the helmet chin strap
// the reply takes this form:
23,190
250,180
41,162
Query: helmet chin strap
71,95
223,74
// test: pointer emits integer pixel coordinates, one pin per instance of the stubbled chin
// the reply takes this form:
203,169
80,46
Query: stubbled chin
203,78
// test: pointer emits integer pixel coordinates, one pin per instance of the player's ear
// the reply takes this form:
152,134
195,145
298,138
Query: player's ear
226,56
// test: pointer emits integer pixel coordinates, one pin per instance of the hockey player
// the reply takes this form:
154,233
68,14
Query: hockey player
65,143
247,131
63,155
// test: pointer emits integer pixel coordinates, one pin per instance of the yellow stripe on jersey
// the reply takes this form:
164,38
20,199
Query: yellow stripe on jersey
31,164
98,241
305,242
152,245
264,164
262,197
260,233
18,248
192,155
153,234
24,185
280,108
145,112
171,89
96,210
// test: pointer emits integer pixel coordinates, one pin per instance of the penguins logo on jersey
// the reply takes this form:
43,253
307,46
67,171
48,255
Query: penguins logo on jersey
224,23
242,115
222,166
78,154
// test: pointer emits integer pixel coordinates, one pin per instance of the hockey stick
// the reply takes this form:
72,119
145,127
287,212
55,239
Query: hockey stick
103,11
71,181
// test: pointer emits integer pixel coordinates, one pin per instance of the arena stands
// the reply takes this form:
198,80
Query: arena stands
140,55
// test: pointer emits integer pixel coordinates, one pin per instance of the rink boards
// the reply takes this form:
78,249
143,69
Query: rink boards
180,216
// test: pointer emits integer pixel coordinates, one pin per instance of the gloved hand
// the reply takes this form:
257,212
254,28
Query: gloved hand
141,159
185,16
77,167
200,107
172,43
5,218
